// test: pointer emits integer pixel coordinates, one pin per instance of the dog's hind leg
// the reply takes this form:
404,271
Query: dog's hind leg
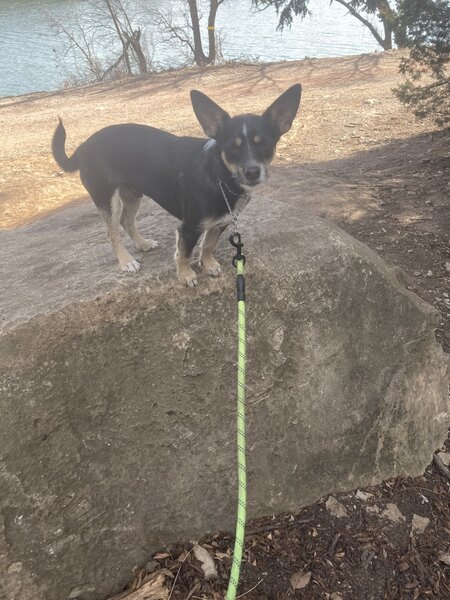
113,217
209,243
185,244
131,203
106,197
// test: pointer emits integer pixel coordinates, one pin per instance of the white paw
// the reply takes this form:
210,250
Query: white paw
147,245
213,269
131,267
189,279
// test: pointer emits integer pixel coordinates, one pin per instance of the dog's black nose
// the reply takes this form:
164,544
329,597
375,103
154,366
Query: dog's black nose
252,173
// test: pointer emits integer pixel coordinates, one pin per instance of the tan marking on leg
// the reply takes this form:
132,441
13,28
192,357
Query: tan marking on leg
209,243
126,261
186,274
128,220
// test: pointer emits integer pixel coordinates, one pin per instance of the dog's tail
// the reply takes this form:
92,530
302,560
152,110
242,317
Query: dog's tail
59,153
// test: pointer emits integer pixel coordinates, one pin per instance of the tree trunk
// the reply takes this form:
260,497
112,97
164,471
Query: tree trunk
387,16
199,56
201,59
122,39
135,43
214,5
387,45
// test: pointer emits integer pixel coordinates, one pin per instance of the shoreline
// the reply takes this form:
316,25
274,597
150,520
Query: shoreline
187,69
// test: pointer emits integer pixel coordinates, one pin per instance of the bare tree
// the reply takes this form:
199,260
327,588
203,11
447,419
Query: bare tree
188,31
93,38
128,36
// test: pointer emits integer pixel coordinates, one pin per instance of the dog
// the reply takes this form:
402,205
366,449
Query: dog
192,178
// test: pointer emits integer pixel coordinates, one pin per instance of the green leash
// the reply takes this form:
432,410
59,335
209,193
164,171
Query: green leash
239,262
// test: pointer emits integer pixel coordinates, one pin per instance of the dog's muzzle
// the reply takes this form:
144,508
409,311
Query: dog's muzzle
253,174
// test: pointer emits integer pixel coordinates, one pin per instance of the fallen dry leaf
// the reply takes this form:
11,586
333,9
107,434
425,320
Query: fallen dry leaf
445,558
161,555
393,513
300,580
335,508
419,524
208,566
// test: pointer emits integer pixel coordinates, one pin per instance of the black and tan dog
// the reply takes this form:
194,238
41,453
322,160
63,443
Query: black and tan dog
187,176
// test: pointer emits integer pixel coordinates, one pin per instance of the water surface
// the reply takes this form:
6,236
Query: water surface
34,56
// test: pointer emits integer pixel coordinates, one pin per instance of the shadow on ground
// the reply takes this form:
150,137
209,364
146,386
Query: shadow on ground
395,199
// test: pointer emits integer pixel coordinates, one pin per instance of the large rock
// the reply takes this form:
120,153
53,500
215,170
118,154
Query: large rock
117,428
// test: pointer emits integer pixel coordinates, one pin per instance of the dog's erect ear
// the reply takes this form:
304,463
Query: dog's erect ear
210,115
282,112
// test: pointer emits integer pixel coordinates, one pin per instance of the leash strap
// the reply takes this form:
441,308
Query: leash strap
239,264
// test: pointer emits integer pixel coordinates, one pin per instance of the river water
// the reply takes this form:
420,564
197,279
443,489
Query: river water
34,55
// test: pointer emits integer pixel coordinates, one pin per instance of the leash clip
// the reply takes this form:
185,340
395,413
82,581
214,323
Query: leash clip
235,241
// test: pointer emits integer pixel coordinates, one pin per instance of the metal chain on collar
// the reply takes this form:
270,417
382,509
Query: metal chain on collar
234,214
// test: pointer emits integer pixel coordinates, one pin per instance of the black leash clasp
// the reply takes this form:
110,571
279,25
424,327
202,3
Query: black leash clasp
235,241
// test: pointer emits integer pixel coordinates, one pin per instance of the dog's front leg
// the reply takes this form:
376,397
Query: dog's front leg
209,243
185,243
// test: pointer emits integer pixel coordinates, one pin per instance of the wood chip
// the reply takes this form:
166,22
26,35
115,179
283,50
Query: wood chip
153,589
363,495
438,463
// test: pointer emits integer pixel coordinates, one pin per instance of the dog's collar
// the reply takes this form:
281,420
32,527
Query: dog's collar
209,144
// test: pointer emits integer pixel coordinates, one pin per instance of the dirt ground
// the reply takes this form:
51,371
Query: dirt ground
354,156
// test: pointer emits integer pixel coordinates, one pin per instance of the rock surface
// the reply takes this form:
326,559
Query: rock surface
117,391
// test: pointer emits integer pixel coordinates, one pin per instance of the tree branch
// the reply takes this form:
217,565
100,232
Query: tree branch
113,66
367,23
175,32
118,28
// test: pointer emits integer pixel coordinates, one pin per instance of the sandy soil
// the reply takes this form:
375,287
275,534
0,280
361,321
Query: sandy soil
347,107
